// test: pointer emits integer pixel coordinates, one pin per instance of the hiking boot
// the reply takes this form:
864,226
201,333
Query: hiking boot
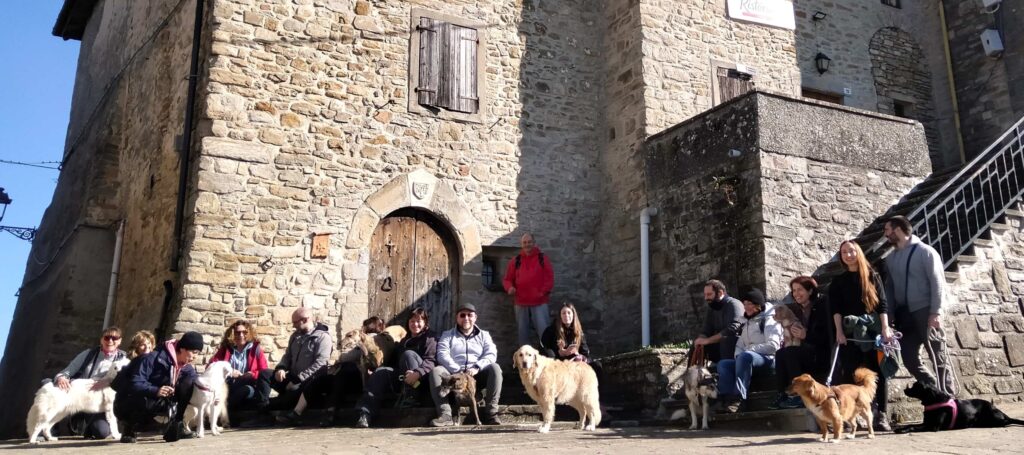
176,431
444,420
408,399
490,419
292,419
364,420
779,400
882,422
128,435
329,419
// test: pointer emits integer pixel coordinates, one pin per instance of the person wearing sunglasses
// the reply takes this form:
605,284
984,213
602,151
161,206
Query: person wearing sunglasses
466,348
241,349
92,363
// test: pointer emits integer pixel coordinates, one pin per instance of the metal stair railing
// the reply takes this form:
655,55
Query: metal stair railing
963,209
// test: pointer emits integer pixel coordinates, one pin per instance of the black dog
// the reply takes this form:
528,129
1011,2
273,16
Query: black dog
942,412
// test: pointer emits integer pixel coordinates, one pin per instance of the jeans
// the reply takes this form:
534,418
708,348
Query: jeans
537,315
734,374
914,326
385,379
488,378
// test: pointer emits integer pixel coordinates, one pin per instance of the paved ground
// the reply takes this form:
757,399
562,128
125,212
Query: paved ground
525,439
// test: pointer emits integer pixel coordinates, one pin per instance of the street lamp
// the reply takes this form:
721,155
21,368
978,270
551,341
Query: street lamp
821,61
19,232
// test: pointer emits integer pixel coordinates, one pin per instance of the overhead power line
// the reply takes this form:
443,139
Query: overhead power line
41,164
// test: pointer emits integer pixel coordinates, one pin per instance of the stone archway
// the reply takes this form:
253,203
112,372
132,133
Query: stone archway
416,190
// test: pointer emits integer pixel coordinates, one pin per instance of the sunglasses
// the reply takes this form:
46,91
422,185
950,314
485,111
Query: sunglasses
111,338
241,332
465,315
299,321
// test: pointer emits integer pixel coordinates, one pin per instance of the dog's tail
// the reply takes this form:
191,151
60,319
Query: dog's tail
867,379
1013,421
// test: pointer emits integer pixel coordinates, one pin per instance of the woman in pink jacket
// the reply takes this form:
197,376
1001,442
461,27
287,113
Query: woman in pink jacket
241,348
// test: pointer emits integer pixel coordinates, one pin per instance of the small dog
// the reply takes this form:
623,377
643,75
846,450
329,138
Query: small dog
85,395
370,350
943,412
788,320
701,387
550,382
462,388
838,404
209,397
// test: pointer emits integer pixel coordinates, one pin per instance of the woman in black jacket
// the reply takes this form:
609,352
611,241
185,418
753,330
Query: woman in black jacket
815,335
564,340
859,292
414,360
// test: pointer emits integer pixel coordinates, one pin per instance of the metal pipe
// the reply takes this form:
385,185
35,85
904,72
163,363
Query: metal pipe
115,270
645,275
186,137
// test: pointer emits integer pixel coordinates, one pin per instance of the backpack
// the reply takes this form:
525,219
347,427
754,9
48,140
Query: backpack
540,258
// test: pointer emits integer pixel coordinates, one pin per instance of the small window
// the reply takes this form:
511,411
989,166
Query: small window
892,3
446,66
903,109
822,96
488,274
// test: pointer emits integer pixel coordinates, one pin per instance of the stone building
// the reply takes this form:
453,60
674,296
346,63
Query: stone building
243,158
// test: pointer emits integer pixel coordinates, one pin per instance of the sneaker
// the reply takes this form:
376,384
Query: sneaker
364,420
734,406
792,403
329,419
292,419
490,419
444,420
779,400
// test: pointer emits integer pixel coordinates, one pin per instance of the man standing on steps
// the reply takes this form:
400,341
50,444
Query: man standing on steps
914,284
529,279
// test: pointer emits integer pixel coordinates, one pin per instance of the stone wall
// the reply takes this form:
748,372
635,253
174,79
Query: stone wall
762,189
902,78
642,379
120,163
845,35
990,91
305,128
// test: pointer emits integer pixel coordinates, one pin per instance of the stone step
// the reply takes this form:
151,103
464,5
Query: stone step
951,277
413,417
768,420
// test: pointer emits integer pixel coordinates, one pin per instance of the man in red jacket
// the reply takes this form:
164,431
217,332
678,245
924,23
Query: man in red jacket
529,278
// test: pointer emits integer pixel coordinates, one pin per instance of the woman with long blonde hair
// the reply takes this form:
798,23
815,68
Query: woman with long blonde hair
858,292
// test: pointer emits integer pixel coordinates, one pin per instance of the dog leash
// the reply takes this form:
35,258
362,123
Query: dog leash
888,347
939,335
835,356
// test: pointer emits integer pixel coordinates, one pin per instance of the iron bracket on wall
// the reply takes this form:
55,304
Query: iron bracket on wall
23,233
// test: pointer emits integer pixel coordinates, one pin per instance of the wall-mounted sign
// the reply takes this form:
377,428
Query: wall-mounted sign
776,13
321,246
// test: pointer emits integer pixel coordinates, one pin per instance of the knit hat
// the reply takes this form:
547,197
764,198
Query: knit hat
756,297
191,341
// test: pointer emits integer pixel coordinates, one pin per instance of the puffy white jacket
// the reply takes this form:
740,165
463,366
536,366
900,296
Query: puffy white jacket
753,338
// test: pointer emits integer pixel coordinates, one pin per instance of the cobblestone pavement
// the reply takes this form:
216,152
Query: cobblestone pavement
525,439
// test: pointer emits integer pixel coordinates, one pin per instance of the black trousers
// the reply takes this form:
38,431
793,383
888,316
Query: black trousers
286,399
134,409
851,357
792,361
246,391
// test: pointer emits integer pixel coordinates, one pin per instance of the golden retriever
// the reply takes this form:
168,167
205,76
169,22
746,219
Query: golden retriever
550,382
837,404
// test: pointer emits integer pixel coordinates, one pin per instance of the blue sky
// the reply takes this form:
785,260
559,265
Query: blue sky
35,101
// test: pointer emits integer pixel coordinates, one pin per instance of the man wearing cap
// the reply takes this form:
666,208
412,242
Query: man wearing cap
759,337
467,348
157,384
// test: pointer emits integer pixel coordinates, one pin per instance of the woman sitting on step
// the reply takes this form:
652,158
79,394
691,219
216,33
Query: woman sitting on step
815,336
564,339
759,337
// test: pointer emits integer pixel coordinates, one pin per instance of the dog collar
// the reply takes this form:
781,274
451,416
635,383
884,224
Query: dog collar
951,404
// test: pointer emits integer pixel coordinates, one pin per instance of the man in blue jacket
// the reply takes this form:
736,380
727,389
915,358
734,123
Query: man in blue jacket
158,383
467,348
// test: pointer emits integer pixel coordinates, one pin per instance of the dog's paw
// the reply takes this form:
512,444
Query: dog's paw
544,429
693,426
871,436
115,436
589,427
705,427
849,436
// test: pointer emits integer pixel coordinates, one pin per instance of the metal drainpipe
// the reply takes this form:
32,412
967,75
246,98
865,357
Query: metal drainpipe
115,270
645,275
186,136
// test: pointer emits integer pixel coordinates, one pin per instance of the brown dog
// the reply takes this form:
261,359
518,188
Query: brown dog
462,388
788,320
837,404
369,351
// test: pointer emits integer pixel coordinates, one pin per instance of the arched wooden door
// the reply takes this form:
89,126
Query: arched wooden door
412,263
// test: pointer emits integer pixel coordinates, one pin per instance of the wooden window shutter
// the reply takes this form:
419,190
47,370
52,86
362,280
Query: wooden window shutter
464,95
427,87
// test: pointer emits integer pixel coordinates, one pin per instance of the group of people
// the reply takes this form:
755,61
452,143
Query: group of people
838,331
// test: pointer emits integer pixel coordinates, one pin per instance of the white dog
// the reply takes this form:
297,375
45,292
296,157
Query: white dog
550,382
209,397
701,387
85,395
